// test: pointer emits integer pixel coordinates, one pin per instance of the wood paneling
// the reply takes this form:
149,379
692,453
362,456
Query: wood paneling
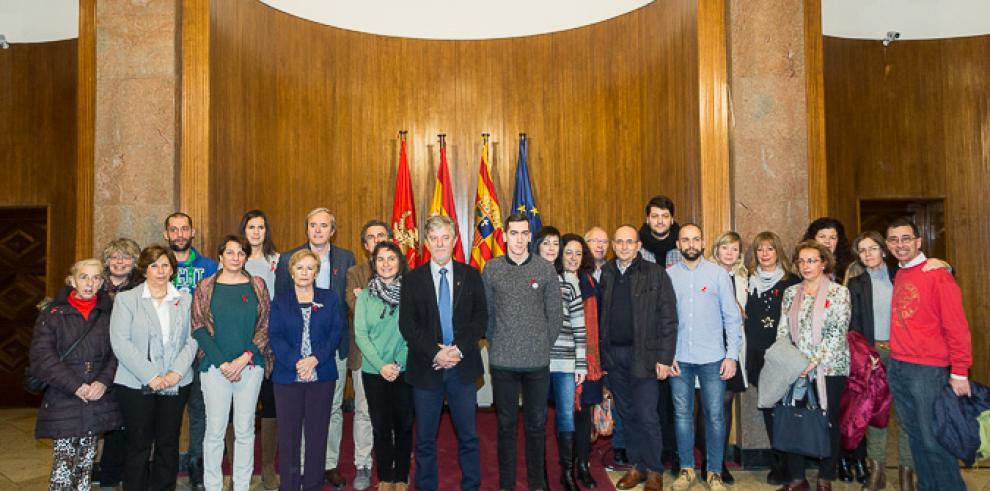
85,127
38,142
713,105
306,115
815,97
194,146
912,120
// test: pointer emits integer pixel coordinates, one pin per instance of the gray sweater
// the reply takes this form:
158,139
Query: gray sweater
524,312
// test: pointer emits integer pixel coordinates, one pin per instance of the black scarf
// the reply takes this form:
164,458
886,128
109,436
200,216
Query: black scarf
659,247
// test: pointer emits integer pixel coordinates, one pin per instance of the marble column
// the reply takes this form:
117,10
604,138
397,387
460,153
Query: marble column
136,113
768,139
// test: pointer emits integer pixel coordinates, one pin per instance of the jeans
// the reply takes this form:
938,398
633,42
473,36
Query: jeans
151,420
363,439
506,386
562,388
876,438
636,402
305,409
713,404
462,402
915,389
390,404
218,393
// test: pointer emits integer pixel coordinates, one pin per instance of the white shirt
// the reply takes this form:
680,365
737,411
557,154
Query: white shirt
920,258
435,269
323,277
162,309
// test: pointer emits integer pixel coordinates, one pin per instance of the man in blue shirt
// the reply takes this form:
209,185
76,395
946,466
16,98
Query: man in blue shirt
708,340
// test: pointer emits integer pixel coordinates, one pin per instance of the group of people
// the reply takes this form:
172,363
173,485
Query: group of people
142,336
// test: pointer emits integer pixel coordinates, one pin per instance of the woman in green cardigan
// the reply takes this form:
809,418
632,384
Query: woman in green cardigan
383,353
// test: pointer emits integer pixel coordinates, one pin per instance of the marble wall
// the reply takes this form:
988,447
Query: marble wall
136,114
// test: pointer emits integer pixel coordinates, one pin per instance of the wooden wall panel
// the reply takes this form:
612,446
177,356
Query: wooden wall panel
913,121
38,141
306,115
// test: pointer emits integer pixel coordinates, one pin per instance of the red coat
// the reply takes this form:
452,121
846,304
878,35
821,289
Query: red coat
866,400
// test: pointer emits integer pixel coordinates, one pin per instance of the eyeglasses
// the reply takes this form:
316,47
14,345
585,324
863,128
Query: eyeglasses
809,262
864,250
120,258
904,239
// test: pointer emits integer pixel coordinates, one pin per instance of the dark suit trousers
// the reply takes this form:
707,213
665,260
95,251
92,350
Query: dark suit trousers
462,402
636,400
151,419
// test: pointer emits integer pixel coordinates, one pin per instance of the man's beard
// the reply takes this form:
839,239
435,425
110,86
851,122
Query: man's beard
175,248
692,254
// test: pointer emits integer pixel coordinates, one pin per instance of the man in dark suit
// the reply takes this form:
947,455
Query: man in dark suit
442,316
321,225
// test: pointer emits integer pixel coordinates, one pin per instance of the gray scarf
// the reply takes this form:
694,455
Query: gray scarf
388,294
761,281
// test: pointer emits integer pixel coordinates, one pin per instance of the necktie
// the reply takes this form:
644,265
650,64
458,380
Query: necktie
446,314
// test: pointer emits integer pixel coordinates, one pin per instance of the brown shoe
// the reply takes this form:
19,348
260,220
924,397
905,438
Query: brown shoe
878,476
905,478
654,482
823,485
801,485
335,478
631,479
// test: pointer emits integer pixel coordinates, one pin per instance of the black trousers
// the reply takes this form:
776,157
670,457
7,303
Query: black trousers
506,386
151,419
267,399
636,400
114,455
390,405
827,467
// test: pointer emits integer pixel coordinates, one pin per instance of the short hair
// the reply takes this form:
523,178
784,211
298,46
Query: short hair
392,246
300,255
120,245
725,238
239,239
690,224
660,201
624,225
178,214
436,221
904,222
768,237
267,246
544,232
823,253
374,222
316,211
587,262
80,264
151,254
516,217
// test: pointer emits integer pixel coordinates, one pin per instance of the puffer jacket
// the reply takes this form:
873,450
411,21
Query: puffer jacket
866,400
62,414
956,427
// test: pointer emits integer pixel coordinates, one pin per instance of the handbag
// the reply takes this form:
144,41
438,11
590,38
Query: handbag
603,422
801,428
34,385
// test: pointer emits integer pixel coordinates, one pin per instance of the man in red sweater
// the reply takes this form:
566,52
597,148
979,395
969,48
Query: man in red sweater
929,346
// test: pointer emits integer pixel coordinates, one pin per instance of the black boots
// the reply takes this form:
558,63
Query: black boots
778,469
565,446
583,474
861,470
845,470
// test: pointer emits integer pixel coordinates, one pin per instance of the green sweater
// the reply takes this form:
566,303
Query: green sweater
235,312
378,337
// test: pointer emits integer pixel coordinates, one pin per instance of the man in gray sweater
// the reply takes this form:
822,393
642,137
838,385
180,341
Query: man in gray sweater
525,316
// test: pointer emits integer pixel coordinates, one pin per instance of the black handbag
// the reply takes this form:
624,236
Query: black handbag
34,385
801,427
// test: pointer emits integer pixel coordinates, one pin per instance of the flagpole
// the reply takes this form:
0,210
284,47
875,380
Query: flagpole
402,134
443,140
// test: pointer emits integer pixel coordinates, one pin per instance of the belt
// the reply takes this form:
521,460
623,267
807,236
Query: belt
884,345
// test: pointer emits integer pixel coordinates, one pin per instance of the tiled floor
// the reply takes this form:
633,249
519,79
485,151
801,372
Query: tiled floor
26,462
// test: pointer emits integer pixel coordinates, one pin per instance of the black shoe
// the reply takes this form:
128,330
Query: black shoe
845,470
862,471
726,476
565,448
583,474
195,468
675,465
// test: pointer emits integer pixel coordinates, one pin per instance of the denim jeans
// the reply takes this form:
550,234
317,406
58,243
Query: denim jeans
915,389
712,400
562,387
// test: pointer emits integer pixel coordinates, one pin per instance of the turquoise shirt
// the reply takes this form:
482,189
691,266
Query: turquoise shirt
235,313
376,332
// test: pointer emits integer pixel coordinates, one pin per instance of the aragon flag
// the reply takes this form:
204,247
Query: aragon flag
443,203
489,239
404,230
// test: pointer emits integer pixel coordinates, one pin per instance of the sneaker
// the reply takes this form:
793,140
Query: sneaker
715,482
362,479
684,480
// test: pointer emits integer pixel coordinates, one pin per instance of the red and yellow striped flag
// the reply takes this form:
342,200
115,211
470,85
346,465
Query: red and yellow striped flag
443,204
489,239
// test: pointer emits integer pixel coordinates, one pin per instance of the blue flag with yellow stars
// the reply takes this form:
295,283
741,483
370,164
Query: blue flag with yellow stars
522,195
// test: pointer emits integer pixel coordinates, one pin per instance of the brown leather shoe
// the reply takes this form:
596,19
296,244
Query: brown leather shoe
905,478
631,479
801,485
878,476
335,478
654,482
823,485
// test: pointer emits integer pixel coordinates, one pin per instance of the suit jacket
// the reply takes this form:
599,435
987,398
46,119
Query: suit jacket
357,277
861,296
285,327
132,323
340,260
419,322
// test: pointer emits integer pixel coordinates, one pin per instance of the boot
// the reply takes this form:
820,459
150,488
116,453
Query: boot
269,437
584,474
905,478
778,473
845,470
878,476
861,470
565,446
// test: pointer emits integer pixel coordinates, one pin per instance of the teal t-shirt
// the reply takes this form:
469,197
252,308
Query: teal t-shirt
235,313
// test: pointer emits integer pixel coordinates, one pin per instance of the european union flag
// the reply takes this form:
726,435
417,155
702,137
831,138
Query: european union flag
522,195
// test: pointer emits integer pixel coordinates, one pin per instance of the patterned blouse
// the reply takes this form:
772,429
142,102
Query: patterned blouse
833,352
306,347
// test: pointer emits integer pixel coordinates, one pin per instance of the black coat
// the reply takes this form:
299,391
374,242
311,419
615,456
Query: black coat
861,296
62,414
654,313
762,317
419,322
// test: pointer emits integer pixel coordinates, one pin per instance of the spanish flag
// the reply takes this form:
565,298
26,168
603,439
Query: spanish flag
404,230
443,203
489,239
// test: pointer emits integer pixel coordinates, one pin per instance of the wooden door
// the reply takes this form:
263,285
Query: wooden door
23,246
